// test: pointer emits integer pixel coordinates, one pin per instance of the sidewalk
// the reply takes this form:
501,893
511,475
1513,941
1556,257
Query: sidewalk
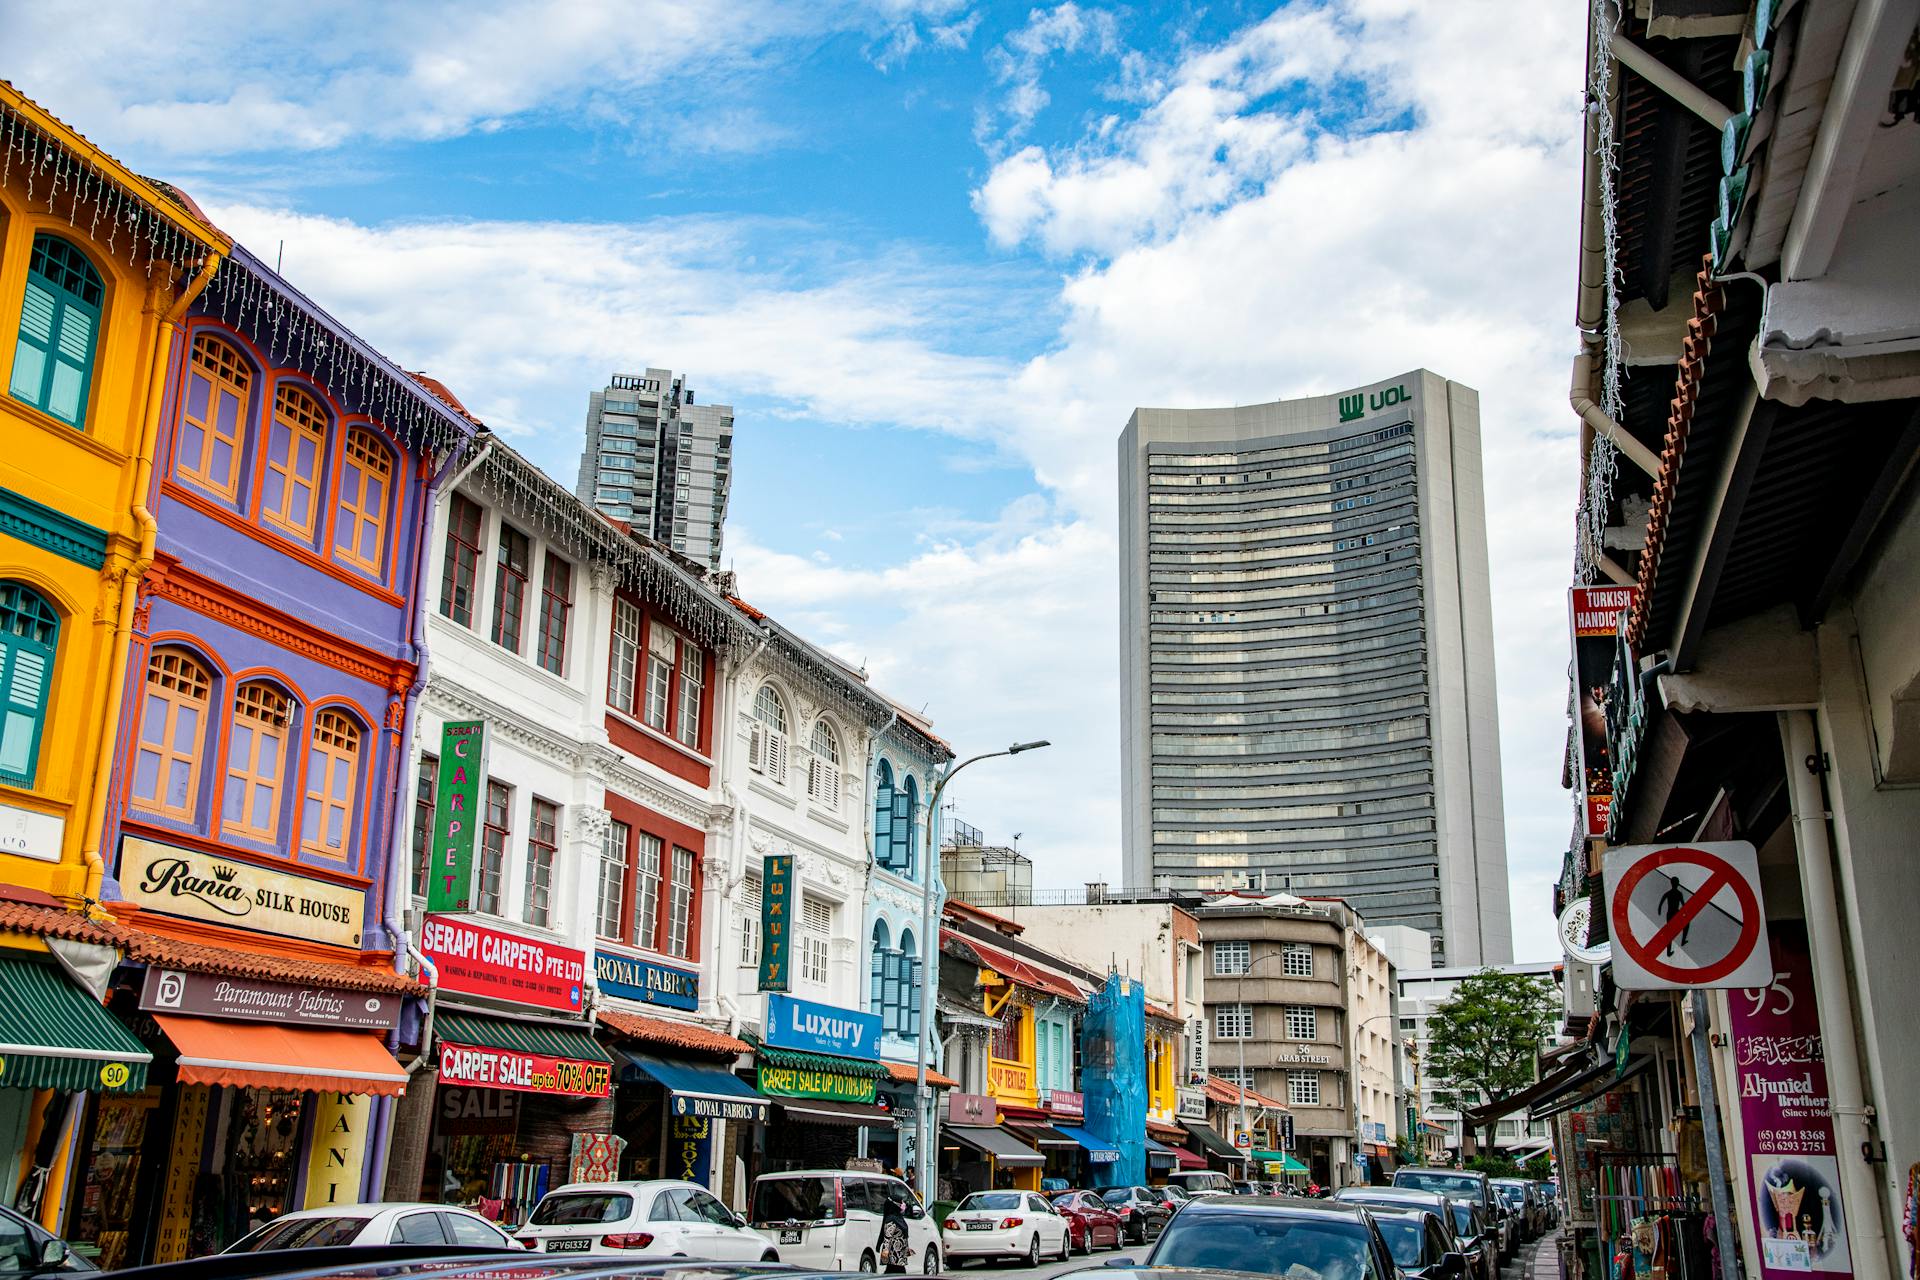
1544,1264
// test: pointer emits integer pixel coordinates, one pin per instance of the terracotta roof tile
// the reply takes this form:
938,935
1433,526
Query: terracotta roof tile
907,1073
55,922
670,1034
1227,1094
198,957
1027,973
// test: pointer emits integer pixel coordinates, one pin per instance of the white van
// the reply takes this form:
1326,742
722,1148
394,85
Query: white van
830,1219
1199,1182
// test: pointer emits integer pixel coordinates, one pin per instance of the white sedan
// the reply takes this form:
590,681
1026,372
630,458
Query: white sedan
1005,1224
390,1223
644,1219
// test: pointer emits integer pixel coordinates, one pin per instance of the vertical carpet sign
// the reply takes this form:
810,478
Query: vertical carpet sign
457,815
776,911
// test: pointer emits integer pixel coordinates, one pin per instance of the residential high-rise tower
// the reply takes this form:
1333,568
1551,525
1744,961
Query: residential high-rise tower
1306,655
660,462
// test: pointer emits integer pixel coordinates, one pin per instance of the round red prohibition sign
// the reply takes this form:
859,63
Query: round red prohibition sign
1719,876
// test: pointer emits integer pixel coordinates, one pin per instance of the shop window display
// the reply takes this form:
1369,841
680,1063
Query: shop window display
103,1220
263,1150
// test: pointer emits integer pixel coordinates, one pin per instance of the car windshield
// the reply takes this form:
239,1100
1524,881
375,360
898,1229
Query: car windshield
1117,1195
1403,1237
793,1200
1453,1184
1512,1195
992,1200
302,1233
576,1208
1273,1244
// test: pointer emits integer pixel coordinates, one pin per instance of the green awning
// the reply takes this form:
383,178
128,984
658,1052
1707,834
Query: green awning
794,1060
520,1037
1288,1165
54,1036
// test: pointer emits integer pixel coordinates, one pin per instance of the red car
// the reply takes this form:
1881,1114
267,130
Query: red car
1090,1223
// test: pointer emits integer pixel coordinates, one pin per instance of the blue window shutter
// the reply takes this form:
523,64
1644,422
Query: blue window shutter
883,816
29,635
59,329
877,996
913,996
901,858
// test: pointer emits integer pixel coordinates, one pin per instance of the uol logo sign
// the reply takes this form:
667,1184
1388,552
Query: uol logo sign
1359,404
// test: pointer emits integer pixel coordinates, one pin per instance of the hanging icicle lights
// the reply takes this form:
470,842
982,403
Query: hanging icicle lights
53,175
1602,458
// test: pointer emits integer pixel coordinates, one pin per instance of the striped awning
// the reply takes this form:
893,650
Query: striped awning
796,1060
54,1036
269,1055
520,1037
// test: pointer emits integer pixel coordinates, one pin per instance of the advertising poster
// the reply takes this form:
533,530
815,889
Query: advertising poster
457,816
1595,614
1786,1127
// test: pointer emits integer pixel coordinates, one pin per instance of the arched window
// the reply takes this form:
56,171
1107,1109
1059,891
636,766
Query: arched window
876,996
256,761
906,812
767,748
294,445
360,524
213,418
333,762
823,768
173,716
909,985
883,813
29,634
59,330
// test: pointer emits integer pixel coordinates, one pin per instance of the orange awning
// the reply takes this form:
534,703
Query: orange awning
267,1055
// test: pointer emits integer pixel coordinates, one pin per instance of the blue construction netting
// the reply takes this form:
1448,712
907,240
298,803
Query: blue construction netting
1113,1073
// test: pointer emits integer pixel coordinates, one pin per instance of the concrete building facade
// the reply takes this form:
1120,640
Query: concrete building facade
1307,657
659,462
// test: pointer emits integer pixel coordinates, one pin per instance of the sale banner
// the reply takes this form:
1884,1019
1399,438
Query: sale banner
477,961
491,1068
1786,1124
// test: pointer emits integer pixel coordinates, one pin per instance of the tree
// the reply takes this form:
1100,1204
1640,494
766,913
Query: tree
1484,1041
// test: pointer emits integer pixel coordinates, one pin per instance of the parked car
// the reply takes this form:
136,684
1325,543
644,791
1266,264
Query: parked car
1090,1224
1463,1219
1269,1236
1517,1194
26,1249
1466,1184
1201,1182
1143,1214
1005,1224
369,1224
1171,1196
831,1219
1422,1245
644,1219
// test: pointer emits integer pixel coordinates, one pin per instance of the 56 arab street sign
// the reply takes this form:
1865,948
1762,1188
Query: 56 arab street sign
1686,916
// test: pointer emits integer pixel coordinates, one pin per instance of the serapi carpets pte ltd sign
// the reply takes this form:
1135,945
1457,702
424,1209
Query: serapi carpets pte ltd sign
203,886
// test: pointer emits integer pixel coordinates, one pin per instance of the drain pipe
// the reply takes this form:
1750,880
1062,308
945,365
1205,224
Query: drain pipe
1852,1117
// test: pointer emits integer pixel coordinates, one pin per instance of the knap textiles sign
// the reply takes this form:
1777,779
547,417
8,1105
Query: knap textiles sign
776,903
203,886
206,995
632,978
474,960
810,1082
821,1028
457,815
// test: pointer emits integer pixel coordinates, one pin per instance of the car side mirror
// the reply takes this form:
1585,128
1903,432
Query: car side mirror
1120,1262
915,1212
54,1254
1452,1264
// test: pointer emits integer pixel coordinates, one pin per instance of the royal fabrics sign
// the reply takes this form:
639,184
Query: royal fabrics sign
632,978
460,783
485,1067
203,886
474,960
821,1028
206,995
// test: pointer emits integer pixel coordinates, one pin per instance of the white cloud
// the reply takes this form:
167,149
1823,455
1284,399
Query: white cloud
1019,60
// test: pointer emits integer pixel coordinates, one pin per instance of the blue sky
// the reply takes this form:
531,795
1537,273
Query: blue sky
933,253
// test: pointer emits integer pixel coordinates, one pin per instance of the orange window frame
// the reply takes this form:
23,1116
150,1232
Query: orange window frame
333,766
297,412
365,462
256,760
176,684
228,376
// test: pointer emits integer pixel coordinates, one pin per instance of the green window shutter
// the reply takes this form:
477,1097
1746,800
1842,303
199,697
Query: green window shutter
59,329
29,631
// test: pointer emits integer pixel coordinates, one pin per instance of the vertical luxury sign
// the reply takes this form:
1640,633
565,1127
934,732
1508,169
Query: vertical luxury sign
776,912
457,815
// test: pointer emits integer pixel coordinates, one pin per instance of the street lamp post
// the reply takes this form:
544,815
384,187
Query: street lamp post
923,1152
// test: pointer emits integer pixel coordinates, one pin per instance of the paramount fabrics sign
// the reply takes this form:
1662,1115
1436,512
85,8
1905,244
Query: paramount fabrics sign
776,912
1595,614
457,815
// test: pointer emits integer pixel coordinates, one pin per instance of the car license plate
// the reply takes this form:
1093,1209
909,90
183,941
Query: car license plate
568,1246
790,1235
977,1225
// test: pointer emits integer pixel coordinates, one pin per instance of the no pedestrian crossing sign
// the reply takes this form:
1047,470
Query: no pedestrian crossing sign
1687,915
